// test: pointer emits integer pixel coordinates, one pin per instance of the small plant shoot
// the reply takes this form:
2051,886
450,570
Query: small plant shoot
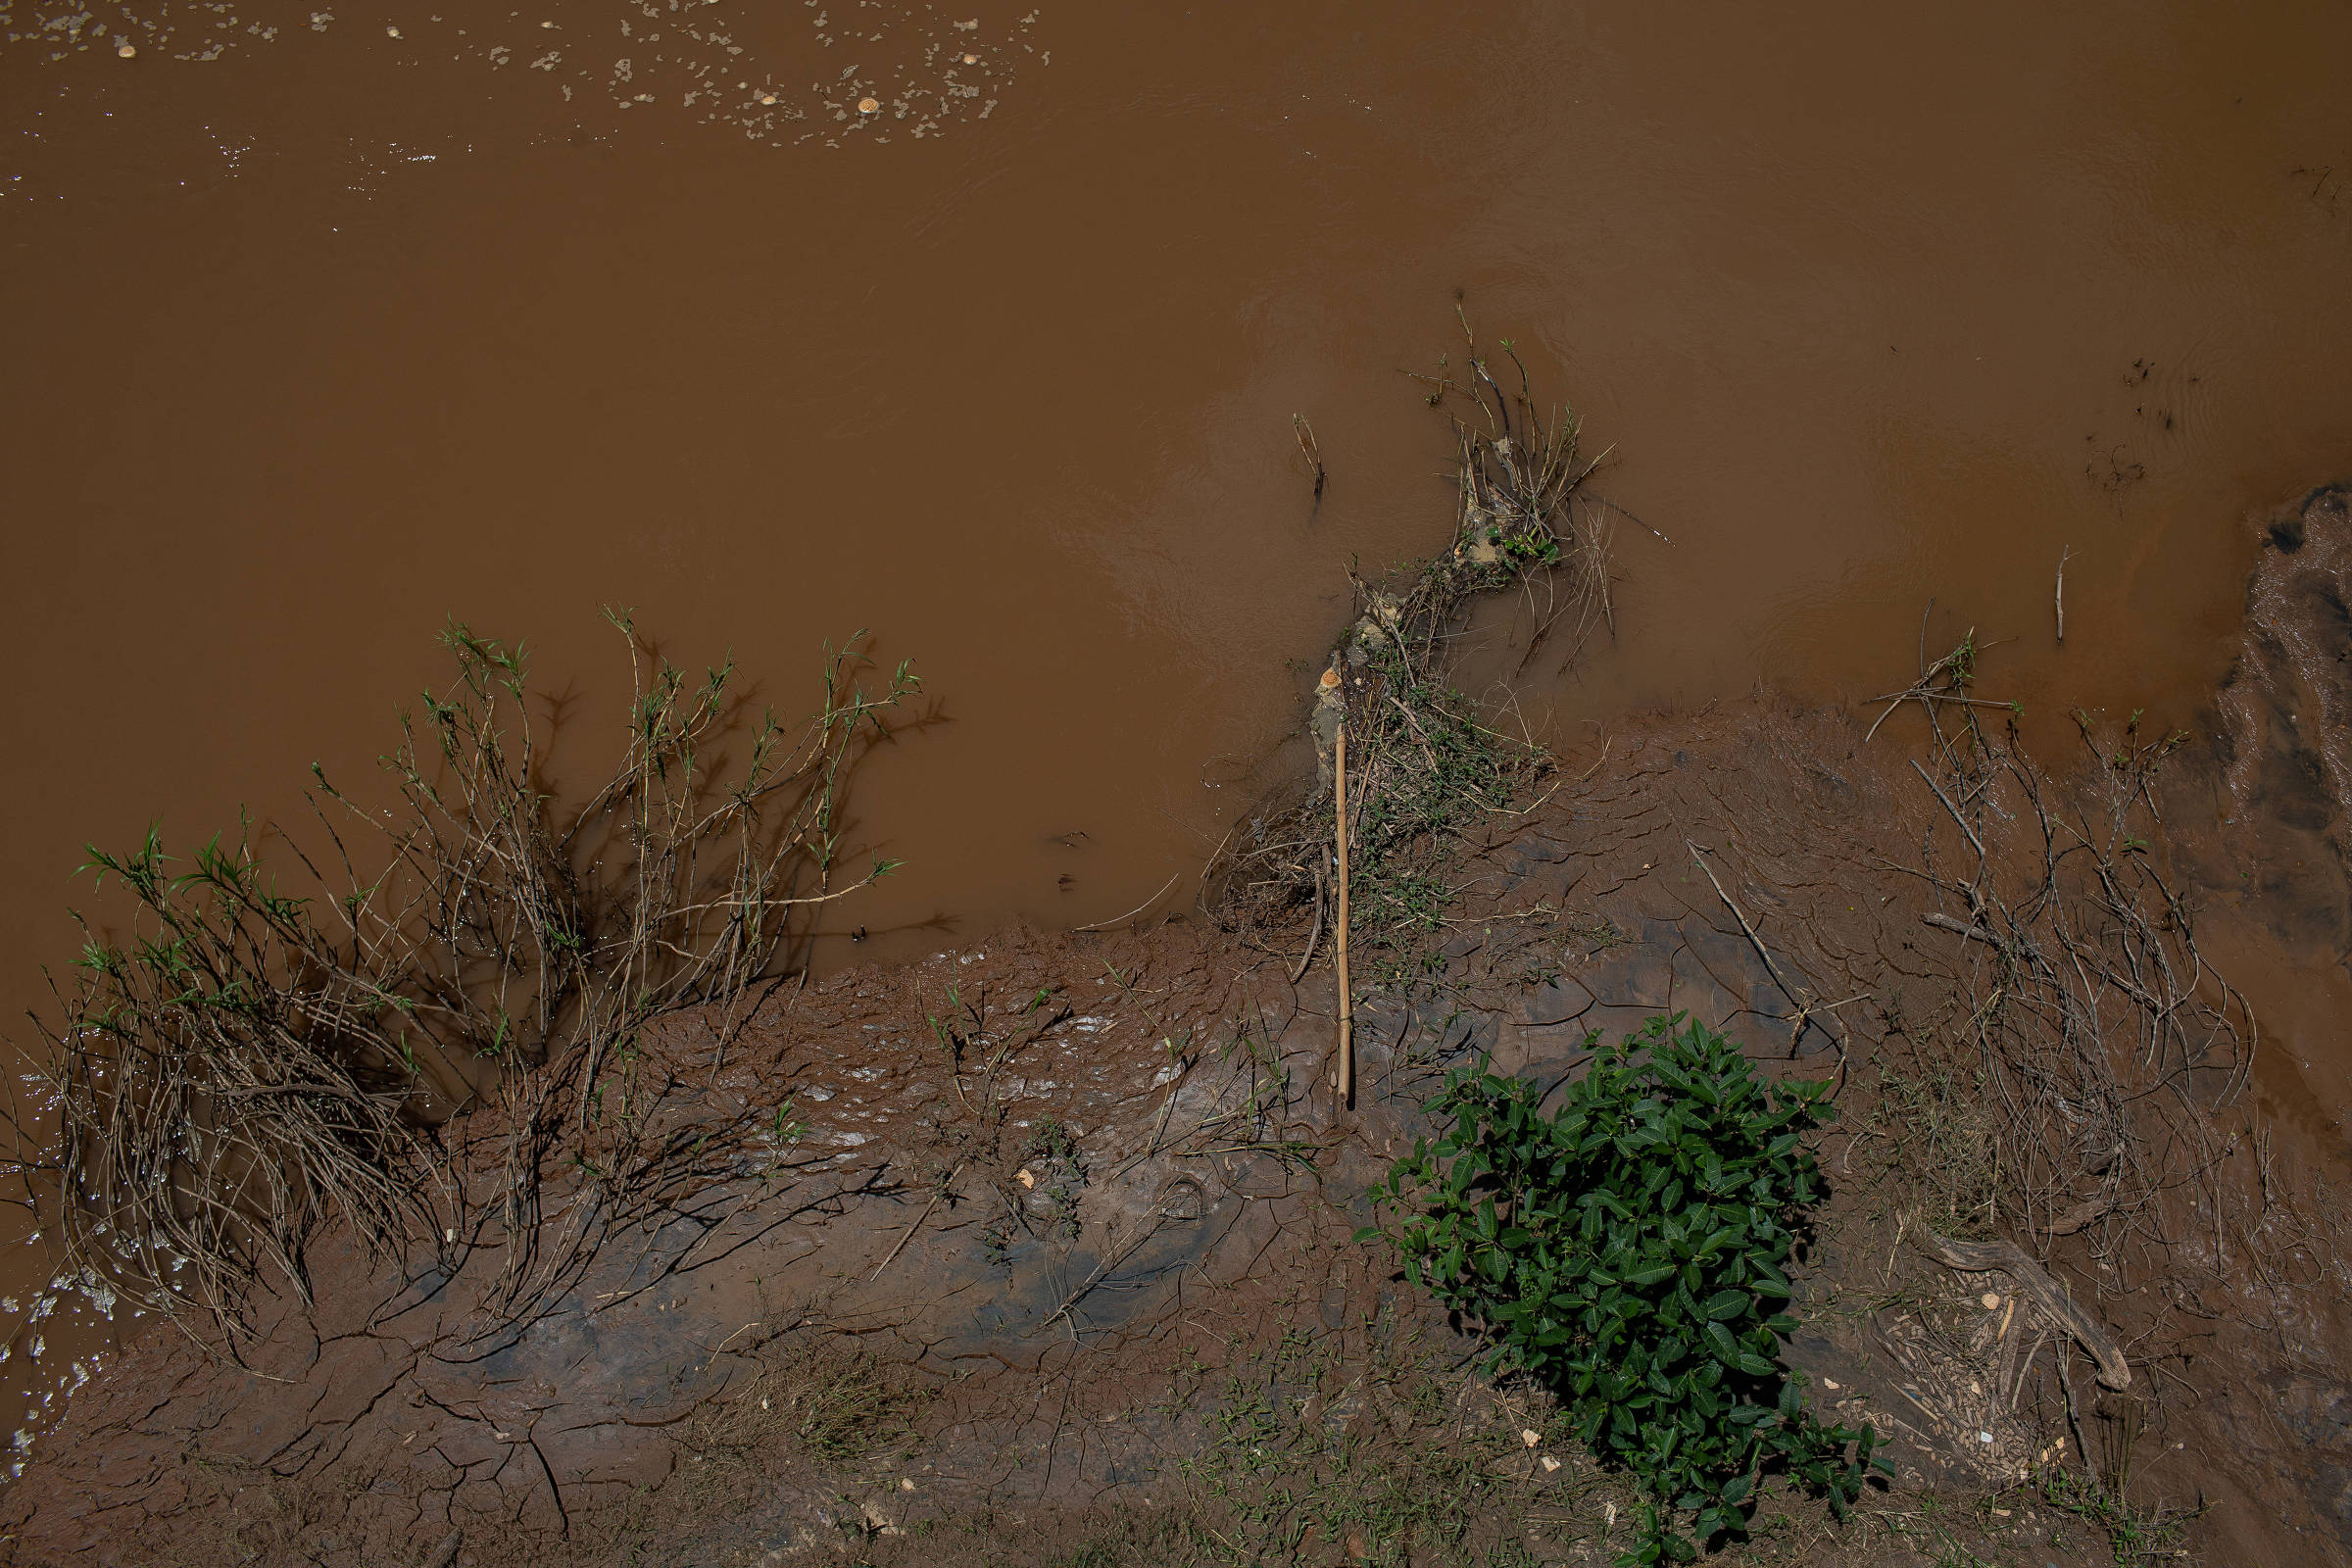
1629,1251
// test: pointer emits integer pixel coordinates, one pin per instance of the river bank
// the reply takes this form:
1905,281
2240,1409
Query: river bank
1051,1255
349,323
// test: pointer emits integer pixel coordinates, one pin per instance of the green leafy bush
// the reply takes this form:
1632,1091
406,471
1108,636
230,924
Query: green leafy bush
1629,1251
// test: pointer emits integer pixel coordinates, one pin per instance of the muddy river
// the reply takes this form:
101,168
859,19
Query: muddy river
985,329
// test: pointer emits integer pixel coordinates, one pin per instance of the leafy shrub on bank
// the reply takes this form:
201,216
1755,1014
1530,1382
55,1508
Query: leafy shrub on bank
1629,1251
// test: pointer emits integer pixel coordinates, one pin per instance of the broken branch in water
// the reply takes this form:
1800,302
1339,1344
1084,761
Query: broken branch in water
1629,517
1944,681
2061,597
1311,450
1425,772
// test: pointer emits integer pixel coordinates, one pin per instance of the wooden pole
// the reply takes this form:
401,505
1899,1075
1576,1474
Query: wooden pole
1347,1079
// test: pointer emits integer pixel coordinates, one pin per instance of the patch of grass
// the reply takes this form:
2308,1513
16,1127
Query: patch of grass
1380,1472
1944,1137
1935,1540
835,1406
1051,1157
1427,772
2135,1535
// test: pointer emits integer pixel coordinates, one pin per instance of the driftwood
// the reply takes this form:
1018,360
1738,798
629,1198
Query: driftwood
2034,1281
1959,928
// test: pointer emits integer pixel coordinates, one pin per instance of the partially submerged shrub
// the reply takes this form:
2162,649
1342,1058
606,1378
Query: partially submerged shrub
239,1064
1629,1251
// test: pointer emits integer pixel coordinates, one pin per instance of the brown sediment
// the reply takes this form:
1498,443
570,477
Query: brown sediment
1058,1211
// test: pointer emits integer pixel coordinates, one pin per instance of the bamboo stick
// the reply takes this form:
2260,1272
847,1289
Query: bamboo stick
1347,1079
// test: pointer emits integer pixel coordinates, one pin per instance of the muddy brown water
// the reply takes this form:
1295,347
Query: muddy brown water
314,335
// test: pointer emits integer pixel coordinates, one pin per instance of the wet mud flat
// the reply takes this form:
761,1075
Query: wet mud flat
1048,1253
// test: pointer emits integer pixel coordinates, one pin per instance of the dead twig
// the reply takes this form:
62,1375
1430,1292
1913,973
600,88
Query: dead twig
1101,925
1311,450
1801,1000
1346,1078
1314,935
917,1225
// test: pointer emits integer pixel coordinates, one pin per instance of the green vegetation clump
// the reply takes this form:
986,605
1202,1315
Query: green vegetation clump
1629,1251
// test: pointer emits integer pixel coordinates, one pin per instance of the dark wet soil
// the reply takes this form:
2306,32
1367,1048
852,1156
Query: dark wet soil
1054,1253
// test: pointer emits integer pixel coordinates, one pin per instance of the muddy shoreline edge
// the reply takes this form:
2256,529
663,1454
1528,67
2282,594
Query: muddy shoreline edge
1017,1369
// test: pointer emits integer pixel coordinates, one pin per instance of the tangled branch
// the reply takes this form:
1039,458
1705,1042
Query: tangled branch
1424,766
2105,1041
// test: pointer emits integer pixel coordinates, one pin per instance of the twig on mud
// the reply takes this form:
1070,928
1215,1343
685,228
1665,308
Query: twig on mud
2006,1257
1110,1265
1132,914
1801,1001
1347,1069
1159,1125
1959,928
720,1349
1976,842
1314,935
918,1223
